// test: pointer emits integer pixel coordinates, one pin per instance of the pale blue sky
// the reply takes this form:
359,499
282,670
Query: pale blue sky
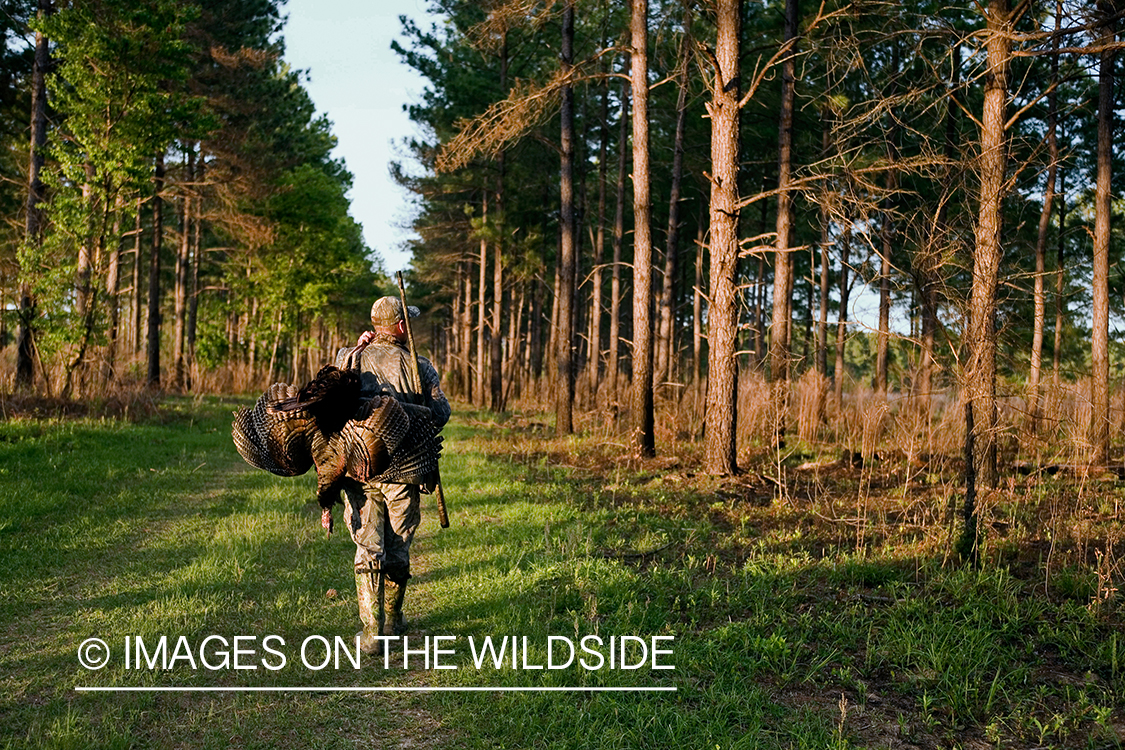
359,83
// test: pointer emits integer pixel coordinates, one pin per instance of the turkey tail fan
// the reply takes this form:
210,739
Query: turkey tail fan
272,439
416,460
378,430
387,419
414,465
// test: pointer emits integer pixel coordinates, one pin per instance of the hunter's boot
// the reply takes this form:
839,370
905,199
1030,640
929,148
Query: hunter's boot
369,586
395,623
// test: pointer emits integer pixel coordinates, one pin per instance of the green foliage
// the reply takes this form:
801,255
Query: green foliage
15,68
318,248
202,86
116,89
115,82
51,272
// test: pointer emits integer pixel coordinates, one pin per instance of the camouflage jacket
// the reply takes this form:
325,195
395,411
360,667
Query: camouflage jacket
384,368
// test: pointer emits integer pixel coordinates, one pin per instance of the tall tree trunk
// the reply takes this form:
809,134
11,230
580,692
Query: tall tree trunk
722,311
112,284
1060,283
251,355
822,310
295,354
697,312
1099,345
543,319
89,258
664,353
83,302
783,264
535,351
593,365
842,318
152,377
1035,373
980,373
196,260
553,328
135,299
240,351
479,396
495,380
456,382
183,266
33,228
822,329
613,362
888,241
827,199
515,342
810,296
273,350
467,336
564,389
644,437
496,358
580,163
528,372
825,241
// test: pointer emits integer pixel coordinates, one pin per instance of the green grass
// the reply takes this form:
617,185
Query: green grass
111,529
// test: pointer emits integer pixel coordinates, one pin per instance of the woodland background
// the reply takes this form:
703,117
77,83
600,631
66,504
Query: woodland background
653,217
648,233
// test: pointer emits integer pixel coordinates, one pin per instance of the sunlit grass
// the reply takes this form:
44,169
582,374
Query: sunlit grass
785,635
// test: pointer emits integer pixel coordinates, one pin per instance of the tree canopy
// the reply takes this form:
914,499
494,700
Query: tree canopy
181,148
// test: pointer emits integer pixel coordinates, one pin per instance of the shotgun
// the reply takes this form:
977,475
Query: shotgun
443,515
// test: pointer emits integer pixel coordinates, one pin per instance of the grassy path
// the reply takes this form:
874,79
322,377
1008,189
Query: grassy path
111,530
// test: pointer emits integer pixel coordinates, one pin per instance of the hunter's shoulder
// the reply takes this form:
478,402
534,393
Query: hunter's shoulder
342,355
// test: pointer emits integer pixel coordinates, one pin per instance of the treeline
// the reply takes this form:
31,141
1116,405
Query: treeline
620,205
176,217
621,199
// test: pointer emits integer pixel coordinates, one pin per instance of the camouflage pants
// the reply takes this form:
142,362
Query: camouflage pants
382,519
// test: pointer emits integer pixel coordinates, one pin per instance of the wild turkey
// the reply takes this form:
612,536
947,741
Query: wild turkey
329,425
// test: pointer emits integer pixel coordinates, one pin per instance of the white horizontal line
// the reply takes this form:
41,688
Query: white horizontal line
375,689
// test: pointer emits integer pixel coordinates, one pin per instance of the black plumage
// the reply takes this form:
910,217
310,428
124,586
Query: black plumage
328,424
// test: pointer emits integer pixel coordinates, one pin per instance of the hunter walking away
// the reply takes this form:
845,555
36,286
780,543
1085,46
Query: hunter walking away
784,335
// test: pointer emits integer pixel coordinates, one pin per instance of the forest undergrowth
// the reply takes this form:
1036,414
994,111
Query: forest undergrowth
862,509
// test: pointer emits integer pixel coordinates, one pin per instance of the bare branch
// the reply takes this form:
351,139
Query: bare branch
1094,49
503,122
504,16
782,54
965,111
1015,118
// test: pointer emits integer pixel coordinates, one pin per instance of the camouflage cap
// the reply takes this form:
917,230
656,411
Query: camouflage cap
387,311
